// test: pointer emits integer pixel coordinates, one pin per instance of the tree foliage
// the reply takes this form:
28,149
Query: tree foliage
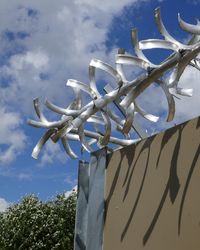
33,224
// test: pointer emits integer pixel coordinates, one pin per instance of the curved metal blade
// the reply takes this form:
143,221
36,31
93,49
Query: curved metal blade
132,60
98,64
176,74
83,140
129,119
48,125
195,65
194,39
146,115
164,31
82,86
127,100
194,29
61,111
90,142
106,137
38,124
138,51
96,119
181,91
119,67
158,44
67,148
38,111
185,92
77,102
172,79
170,101
116,119
63,130
41,143
105,67
93,86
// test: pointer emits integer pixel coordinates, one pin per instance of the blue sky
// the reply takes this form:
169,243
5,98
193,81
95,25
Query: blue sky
43,45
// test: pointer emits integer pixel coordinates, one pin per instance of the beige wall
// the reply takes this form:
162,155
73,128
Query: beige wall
153,192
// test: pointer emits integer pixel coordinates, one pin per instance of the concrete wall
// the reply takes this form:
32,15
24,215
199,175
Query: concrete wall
152,192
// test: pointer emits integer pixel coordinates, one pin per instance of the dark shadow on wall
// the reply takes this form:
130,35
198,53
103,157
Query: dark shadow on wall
147,145
173,184
156,216
130,153
198,123
118,168
186,187
166,137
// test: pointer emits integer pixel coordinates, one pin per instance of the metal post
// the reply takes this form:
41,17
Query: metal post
82,207
96,203
90,203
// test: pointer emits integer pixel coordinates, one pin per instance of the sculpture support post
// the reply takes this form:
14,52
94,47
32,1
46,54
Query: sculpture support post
91,203
82,206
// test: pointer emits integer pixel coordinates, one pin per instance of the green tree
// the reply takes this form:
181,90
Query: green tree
32,224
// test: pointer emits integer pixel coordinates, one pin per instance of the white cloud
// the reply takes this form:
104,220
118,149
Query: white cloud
3,204
70,180
11,136
188,107
36,59
52,153
68,193
63,37
44,45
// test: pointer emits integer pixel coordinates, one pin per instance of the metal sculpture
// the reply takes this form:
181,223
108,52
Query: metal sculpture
166,74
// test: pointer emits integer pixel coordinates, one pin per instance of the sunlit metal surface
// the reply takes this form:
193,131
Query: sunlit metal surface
166,74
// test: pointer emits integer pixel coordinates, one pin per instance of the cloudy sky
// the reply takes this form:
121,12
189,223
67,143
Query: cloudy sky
44,43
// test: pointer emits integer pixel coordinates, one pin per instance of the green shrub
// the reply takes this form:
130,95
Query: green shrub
32,224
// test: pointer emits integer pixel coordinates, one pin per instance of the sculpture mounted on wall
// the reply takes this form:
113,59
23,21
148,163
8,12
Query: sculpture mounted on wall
166,74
